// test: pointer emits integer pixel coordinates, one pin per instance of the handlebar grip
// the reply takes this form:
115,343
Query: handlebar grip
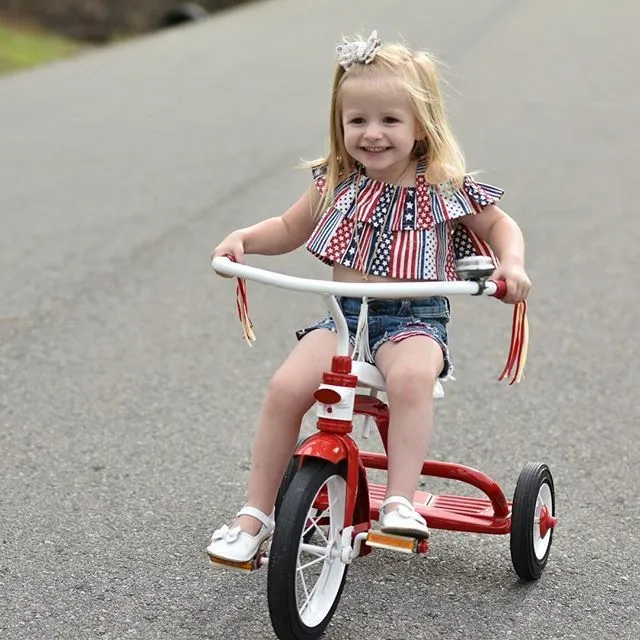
501,289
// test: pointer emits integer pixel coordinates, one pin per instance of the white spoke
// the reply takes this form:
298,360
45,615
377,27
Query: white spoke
310,596
310,564
307,602
314,525
314,549
304,585
318,517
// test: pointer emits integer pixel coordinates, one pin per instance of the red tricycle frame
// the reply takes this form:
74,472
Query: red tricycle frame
330,463
332,442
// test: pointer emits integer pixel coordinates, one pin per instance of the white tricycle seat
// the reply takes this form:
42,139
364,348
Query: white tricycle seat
369,376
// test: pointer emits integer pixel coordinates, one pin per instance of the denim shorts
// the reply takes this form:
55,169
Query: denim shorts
392,320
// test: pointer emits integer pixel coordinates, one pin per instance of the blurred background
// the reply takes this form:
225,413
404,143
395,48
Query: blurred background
33,32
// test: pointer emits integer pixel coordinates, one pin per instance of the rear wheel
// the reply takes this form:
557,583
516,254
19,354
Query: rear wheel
532,520
305,579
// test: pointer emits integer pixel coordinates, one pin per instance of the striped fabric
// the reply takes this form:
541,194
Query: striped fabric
400,232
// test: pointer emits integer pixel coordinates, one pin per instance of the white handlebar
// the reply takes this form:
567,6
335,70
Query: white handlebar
403,289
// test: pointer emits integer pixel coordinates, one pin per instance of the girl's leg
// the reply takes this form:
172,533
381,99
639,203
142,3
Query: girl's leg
410,369
289,396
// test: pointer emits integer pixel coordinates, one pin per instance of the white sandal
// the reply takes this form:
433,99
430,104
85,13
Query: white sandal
234,544
403,521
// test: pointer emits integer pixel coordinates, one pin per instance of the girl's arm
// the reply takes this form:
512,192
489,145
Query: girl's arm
284,233
276,235
503,235
500,231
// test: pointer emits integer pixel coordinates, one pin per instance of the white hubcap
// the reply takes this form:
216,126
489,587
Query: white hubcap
544,500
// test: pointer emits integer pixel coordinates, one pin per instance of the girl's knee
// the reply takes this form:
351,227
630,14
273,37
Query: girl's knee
291,387
410,383
288,390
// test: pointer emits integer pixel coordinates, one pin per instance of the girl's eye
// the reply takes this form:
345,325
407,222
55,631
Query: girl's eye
357,120
391,120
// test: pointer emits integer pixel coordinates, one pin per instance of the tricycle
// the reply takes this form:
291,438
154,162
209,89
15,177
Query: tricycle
326,506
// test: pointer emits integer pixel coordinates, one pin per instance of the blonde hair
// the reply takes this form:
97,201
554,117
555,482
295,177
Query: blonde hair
438,146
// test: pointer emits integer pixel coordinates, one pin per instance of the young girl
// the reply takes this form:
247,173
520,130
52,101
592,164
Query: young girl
391,201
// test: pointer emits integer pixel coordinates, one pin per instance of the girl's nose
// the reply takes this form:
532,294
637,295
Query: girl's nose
372,132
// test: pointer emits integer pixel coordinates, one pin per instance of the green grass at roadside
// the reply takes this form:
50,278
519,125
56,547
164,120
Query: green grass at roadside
22,48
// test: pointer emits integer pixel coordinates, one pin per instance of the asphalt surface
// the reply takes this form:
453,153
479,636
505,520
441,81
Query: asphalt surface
127,397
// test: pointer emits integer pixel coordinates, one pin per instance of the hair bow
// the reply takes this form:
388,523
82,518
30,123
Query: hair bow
359,51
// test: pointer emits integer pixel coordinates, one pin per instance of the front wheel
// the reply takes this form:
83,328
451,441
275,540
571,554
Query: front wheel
289,473
532,520
306,573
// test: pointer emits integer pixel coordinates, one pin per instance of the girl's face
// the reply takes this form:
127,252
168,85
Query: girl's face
380,128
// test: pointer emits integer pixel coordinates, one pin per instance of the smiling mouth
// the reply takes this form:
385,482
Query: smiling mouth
375,149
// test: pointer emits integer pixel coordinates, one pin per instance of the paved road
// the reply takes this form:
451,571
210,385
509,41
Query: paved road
127,397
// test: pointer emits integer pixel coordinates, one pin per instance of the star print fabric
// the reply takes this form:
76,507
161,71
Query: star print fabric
400,232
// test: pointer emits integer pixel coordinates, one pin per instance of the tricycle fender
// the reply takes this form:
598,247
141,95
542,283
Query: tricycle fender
335,449
325,446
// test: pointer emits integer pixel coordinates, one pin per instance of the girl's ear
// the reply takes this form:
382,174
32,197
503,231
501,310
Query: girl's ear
421,132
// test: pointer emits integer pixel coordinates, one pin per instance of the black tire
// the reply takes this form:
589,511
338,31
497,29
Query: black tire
289,472
530,552
282,591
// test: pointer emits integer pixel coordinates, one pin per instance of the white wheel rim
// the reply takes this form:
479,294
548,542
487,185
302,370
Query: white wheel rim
319,568
544,499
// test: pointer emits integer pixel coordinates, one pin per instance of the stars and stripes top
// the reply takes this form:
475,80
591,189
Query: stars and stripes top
400,232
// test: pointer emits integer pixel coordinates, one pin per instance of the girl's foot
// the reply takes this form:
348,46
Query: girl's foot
404,520
238,544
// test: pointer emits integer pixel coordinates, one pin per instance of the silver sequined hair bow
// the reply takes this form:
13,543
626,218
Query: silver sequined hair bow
359,51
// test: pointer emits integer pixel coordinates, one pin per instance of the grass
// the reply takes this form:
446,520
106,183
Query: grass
25,47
